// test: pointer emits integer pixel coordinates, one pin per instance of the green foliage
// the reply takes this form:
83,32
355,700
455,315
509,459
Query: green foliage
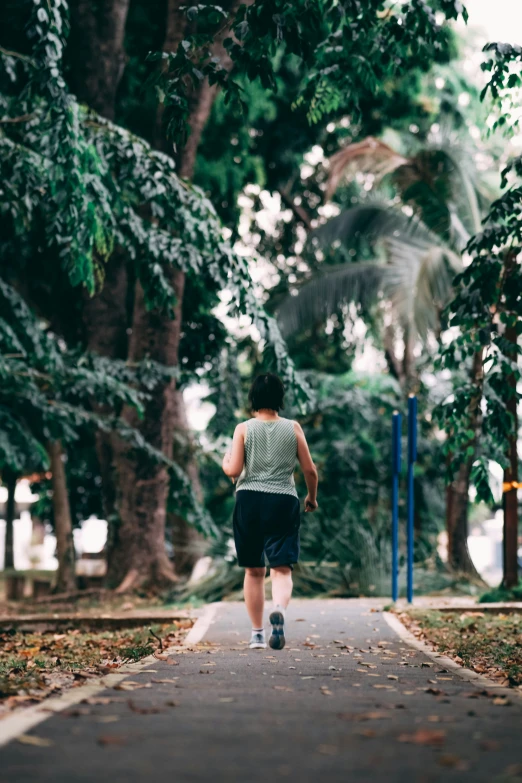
347,51
501,595
45,388
486,316
345,544
129,195
504,66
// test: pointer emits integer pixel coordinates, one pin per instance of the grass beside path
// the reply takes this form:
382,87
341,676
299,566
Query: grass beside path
490,644
36,665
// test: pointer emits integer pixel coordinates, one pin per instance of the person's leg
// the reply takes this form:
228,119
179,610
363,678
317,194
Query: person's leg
281,585
281,592
254,591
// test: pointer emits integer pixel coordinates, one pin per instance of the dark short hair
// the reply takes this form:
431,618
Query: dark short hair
267,391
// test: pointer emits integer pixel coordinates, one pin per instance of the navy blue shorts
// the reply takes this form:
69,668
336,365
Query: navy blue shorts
266,523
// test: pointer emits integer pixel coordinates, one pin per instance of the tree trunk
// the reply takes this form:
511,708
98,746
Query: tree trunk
62,521
457,508
143,483
10,513
395,366
457,493
96,51
106,320
189,544
409,374
510,499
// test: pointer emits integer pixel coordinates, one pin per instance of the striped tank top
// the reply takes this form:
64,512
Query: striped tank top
270,457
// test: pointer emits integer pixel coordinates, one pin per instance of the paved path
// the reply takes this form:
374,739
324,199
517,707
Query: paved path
329,707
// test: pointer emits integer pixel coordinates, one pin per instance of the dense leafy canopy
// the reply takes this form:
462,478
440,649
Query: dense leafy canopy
486,311
347,51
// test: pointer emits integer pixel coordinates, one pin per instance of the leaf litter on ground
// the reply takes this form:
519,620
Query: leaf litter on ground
489,643
34,665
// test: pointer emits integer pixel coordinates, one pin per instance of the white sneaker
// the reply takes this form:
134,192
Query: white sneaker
257,642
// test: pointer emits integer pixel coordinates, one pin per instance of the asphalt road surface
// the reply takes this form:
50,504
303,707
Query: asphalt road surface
346,700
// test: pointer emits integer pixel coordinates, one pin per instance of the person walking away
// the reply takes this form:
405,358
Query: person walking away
263,458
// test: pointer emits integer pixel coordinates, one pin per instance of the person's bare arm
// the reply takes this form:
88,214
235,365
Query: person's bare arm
234,459
308,468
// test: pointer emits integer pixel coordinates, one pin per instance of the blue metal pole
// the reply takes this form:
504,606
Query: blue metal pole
412,456
396,469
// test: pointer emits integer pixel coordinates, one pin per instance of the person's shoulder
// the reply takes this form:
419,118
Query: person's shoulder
242,426
297,428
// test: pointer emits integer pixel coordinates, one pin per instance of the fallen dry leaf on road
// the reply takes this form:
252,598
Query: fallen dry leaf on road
143,710
32,739
367,733
486,744
424,737
131,685
501,701
76,712
452,762
98,700
112,739
364,716
164,679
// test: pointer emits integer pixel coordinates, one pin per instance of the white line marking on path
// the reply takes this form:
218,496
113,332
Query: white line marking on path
202,624
27,718
447,663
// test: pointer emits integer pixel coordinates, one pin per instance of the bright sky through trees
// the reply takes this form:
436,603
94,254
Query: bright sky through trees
501,20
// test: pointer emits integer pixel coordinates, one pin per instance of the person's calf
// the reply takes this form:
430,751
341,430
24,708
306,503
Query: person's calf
281,585
254,592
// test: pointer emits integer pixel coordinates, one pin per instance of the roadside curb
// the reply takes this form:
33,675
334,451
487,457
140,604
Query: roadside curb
448,663
25,718
505,608
114,621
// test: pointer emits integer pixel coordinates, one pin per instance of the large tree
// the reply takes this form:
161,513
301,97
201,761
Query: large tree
84,193
486,315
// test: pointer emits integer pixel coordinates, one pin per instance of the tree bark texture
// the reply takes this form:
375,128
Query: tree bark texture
189,544
62,521
10,513
457,493
96,51
457,513
143,483
203,96
106,321
510,499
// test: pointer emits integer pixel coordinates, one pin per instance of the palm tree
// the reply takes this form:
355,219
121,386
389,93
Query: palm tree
407,279
412,247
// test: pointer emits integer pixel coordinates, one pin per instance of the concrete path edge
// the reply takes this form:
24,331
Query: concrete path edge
443,660
25,718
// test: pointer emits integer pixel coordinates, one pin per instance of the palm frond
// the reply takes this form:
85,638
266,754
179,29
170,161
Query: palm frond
418,282
372,222
415,276
369,155
326,293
